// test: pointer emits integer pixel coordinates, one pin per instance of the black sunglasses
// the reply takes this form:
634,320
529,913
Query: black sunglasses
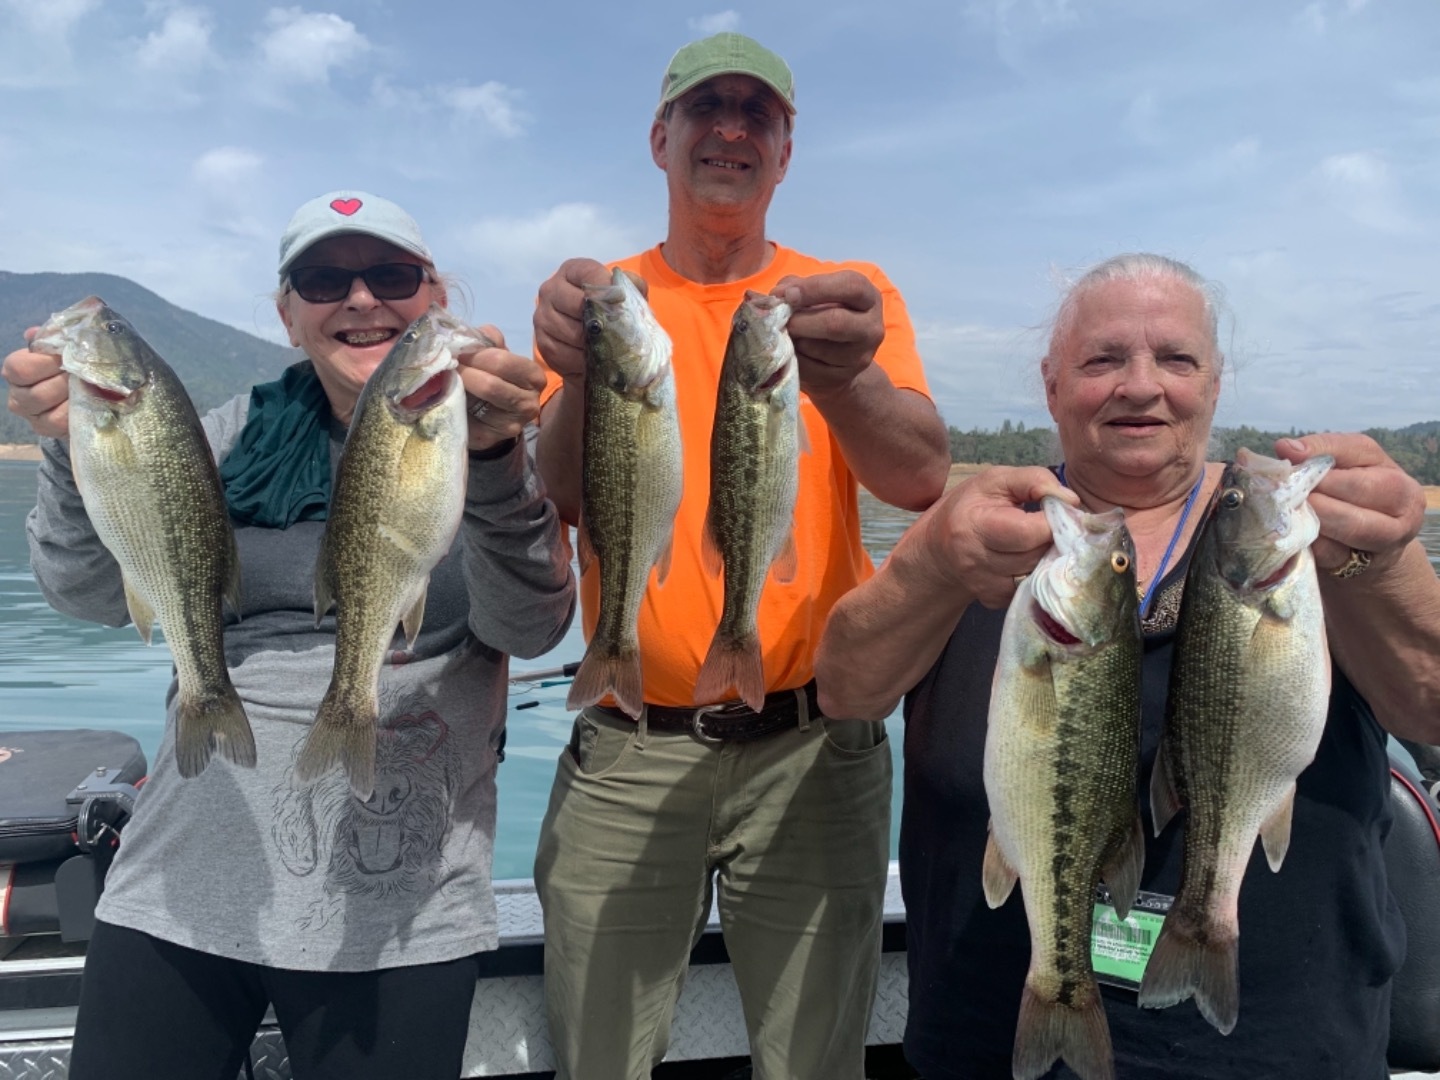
327,284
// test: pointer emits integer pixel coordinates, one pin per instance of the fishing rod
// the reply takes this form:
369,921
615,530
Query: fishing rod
564,671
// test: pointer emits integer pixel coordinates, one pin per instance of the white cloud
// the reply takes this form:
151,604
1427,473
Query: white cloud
225,165
181,45
303,46
491,102
1360,184
1313,18
50,18
720,22
982,375
525,250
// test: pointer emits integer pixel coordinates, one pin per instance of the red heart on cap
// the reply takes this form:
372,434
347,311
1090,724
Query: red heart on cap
345,206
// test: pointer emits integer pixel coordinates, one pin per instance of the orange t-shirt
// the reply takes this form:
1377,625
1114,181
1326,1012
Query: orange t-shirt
678,619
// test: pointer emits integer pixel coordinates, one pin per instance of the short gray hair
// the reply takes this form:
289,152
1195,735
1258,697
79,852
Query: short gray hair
1139,266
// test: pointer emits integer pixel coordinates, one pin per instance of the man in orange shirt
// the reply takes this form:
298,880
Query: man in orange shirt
787,808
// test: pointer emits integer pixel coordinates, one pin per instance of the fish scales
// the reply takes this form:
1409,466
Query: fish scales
754,479
1061,763
631,481
397,502
1246,706
152,490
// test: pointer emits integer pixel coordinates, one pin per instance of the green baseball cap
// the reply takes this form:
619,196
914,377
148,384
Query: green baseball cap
726,54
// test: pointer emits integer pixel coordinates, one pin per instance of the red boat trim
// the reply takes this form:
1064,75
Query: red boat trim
1424,803
9,869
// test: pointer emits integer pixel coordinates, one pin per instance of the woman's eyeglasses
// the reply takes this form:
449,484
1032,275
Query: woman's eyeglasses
327,284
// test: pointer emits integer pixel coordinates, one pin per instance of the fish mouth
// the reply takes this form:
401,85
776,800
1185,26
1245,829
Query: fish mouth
368,338
1052,626
774,379
109,395
1278,576
429,393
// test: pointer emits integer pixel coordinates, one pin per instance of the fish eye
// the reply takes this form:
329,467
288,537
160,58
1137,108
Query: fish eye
594,328
115,327
411,337
741,326
1232,498
1119,562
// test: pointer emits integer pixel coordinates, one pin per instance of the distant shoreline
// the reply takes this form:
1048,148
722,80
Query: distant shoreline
959,471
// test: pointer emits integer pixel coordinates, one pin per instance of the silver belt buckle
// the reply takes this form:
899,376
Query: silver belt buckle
697,723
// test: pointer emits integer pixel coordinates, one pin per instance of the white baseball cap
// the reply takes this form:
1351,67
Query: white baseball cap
342,212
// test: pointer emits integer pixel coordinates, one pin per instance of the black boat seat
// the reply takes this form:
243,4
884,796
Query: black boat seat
1412,859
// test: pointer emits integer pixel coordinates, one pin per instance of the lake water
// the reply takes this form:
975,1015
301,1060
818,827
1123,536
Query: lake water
57,672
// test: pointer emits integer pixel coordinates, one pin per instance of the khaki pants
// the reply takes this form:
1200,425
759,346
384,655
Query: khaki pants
795,827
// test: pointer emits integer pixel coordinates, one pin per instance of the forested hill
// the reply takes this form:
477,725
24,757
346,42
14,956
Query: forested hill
214,361
1415,448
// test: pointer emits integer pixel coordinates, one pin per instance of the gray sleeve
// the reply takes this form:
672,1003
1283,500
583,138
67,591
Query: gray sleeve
517,568
77,575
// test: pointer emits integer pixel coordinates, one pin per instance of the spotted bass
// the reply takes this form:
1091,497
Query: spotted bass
1061,762
754,476
1249,690
398,498
630,483
152,490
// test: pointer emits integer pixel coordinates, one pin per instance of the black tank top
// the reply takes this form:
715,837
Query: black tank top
1319,941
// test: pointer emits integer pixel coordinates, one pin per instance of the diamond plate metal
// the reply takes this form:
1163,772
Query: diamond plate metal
34,1061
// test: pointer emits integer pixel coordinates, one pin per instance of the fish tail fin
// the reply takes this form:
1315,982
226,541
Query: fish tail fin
602,673
343,734
732,662
211,721
1048,1030
1189,962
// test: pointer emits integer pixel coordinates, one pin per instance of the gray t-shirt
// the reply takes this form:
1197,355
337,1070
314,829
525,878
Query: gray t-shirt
245,863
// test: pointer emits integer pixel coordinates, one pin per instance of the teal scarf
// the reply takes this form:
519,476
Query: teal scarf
278,472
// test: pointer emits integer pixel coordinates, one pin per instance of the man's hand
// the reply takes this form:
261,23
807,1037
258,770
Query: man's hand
503,387
979,540
39,389
559,332
838,323
1365,502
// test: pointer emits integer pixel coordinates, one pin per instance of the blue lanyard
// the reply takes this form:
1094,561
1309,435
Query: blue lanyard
1149,594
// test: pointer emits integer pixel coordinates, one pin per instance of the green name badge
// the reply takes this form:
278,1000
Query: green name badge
1120,948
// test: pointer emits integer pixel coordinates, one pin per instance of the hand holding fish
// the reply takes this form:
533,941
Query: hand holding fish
1366,503
979,538
837,323
39,389
505,388
559,332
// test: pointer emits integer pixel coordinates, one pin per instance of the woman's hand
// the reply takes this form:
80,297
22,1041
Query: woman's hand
979,540
502,391
1365,503
39,389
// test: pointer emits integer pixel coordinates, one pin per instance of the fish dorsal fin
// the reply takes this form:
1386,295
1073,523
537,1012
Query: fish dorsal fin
1122,869
1275,833
998,876
141,613
662,561
584,550
786,560
324,589
412,618
1164,799
710,556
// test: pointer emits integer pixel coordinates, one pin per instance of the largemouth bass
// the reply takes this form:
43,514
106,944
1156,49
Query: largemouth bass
1249,691
630,481
1061,764
754,476
397,503
152,490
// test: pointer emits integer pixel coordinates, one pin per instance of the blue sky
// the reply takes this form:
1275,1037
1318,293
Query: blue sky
980,152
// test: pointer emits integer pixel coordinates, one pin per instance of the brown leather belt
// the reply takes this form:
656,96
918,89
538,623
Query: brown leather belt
730,721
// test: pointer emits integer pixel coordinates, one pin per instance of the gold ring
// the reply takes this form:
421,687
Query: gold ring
1356,565
479,409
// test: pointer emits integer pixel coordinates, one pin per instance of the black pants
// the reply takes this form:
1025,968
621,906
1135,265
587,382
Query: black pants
150,1010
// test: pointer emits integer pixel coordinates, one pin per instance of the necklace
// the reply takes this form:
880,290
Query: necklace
1148,594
